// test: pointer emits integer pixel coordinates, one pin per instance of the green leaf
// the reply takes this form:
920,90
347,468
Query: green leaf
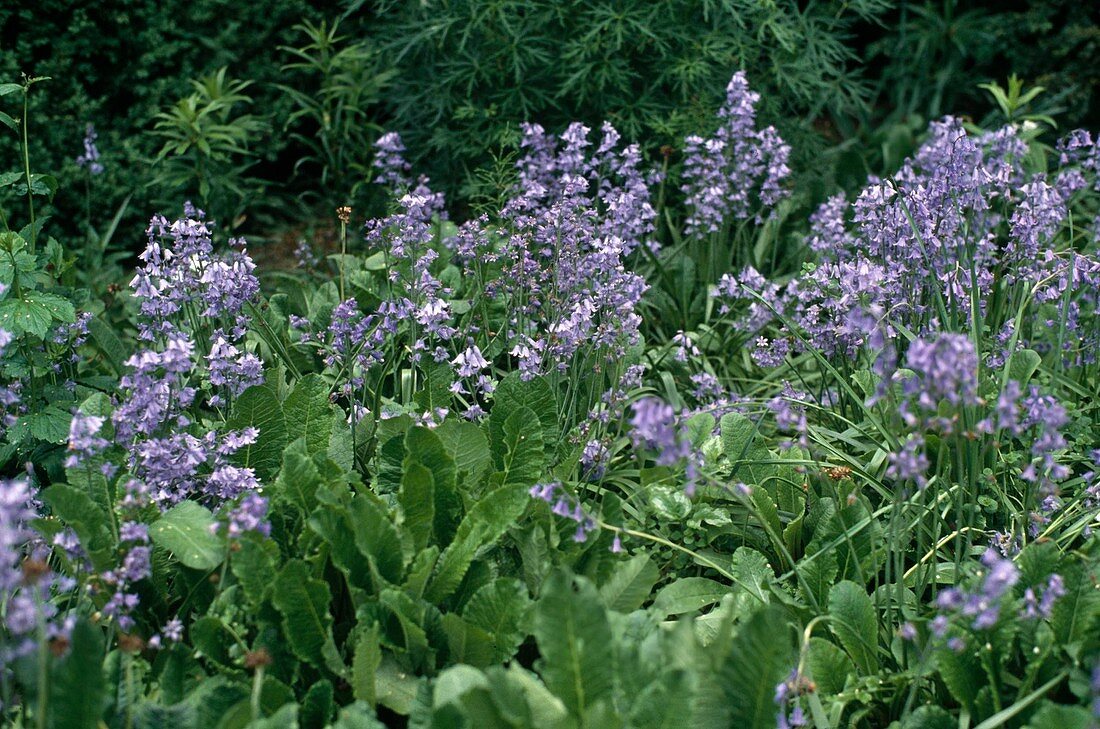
90,522
299,477
258,407
501,609
828,666
417,500
484,524
467,643
962,674
1022,365
469,448
423,447
687,595
742,693
574,636
395,687
630,584
309,413
368,656
1055,716
185,531
24,316
929,717
522,458
333,524
304,604
512,394
253,564
376,537
51,424
77,685
855,623
1077,612
317,706
358,716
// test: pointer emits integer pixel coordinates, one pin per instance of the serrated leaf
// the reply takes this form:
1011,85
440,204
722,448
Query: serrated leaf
309,413
259,407
376,537
468,447
299,478
484,524
254,567
512,394
630,584
1022,364
333,525
573,635
854,621
522,458
423,447
1077,612
828,666
501,609
185,531
962,674
304,604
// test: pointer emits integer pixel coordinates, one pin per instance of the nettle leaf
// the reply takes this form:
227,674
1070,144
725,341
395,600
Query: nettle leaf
25,315
309,414
630,584
512,394
483,525
522,449
304,604
855,623
51,424
259,407
574,639
501,608
185,531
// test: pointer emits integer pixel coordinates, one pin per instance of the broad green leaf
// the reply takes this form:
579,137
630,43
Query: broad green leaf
185,530
77,691
962,674
512,394
376,537
88,519
469,448
854,621
1055,716
309,413
333,524
396,688
630,584
368,656
24,315
304,604
1077,613
468,643
259,407
422,446
317,706
417,500
828,666
742,692
930,717
1022,364
522,458
484,524
574,636
299,477
253,565
358,716
687,595
500,608
51,424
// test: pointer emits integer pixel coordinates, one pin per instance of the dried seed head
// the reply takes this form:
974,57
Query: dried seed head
257,658
344,214
34,570
130,643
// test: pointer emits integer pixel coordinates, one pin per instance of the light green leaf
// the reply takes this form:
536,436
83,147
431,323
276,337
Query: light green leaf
309,413
688,594
630,584
185,531
855,623
574,636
